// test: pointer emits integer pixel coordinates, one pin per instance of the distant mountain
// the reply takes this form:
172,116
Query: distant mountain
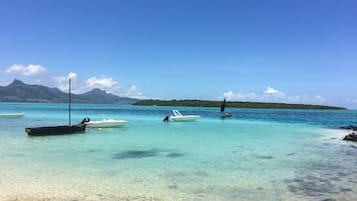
101,96
17,91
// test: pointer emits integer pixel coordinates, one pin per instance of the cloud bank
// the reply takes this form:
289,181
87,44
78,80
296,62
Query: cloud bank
102,83
62,82
273,95
132,92
271,90
25,70
105,83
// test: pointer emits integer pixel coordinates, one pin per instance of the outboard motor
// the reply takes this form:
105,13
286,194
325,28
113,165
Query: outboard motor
85,120
167,118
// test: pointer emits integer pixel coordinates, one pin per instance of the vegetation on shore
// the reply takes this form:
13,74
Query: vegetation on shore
233,104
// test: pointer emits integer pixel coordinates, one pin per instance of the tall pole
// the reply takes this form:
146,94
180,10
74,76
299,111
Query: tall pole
69,102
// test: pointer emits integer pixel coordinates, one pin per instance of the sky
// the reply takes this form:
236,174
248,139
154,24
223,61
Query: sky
291,51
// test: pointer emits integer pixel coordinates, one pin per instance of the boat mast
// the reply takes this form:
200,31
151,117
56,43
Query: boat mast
69,102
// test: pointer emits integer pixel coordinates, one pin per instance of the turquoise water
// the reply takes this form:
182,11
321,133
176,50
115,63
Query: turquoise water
259,154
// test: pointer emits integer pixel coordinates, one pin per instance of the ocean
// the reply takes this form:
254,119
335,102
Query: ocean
258,154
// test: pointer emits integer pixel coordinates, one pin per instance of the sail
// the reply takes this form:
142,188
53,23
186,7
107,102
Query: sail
223,105
69,102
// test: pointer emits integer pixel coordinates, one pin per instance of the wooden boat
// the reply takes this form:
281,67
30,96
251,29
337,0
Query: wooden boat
106,123
11,115
59,130
56,130
179,117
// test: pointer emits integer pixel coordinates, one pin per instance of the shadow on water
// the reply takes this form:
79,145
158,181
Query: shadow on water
174,155
328,179
137,154
265,157
92,150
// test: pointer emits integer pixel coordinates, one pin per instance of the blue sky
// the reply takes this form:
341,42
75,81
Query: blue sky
299,51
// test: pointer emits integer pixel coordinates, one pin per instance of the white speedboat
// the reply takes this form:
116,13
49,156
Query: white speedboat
12,115
106,123
179,117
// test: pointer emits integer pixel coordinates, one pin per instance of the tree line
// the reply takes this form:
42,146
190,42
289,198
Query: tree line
233,104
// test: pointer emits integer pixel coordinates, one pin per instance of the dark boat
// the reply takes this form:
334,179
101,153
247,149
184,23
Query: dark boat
56,130
59,130
223,113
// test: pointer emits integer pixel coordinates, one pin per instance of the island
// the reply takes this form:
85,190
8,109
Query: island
232,104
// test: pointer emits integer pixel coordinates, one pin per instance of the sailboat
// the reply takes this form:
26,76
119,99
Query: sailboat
59,130
223,113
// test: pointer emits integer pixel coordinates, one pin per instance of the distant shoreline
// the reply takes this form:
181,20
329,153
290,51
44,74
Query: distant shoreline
201,103
233,104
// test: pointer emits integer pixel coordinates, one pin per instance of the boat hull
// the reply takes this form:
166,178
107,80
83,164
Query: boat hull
226,114
106,124
55,130
184,118
12,115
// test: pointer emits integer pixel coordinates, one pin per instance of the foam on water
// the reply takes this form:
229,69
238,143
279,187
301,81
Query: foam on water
211,159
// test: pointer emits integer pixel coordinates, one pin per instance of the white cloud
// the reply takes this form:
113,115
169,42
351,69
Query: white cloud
133,93
72,76
271,90
25,70
320,99
230,95
62,82
317,99
273,95
105,83
102,83
60,79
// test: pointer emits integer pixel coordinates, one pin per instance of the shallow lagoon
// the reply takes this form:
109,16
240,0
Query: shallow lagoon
259,154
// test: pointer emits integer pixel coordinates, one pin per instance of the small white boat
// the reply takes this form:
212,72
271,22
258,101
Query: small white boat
106,123
179,117
12,115
226,114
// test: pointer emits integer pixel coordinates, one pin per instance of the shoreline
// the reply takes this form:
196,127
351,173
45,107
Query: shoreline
233,104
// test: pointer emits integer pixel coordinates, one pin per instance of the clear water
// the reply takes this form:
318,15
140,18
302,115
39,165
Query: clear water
258,154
